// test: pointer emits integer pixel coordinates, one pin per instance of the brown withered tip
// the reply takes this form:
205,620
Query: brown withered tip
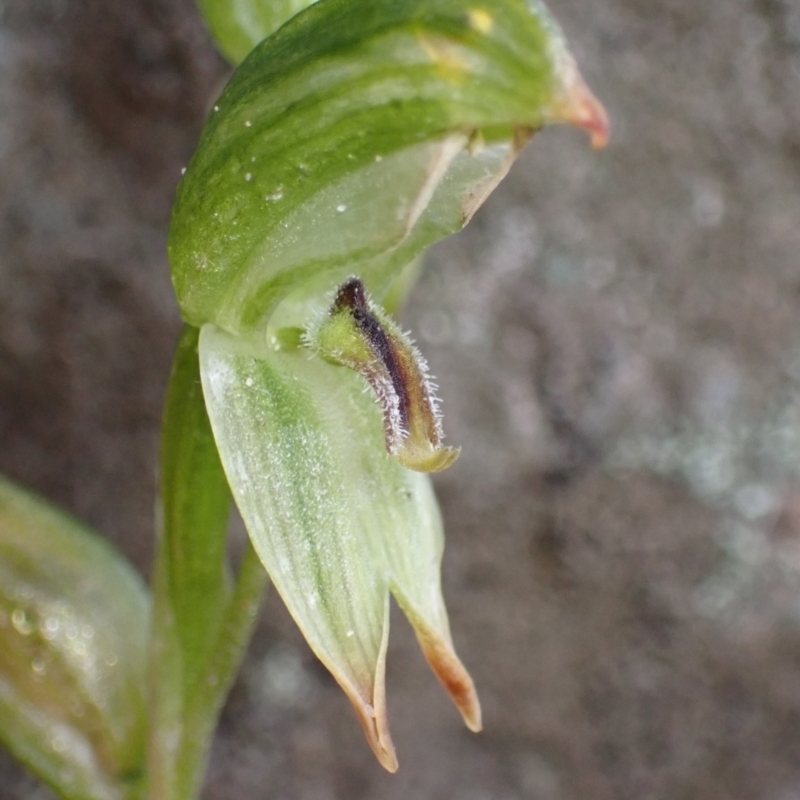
374,721
439,653
587,112
369,703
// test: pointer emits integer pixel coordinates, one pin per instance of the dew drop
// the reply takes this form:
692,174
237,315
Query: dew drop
275,196
350,633
216,108
247,123
248,382
19,620
248,177
341,208
183,170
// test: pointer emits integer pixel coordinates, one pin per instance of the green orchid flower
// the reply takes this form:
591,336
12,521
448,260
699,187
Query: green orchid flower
346,143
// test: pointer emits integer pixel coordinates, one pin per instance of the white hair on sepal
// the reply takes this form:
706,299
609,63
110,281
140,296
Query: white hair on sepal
309,336
429,386
389,402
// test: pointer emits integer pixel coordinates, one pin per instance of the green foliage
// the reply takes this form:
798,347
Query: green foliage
195,505
73,638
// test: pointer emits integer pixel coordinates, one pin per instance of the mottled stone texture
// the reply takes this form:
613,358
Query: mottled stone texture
617,341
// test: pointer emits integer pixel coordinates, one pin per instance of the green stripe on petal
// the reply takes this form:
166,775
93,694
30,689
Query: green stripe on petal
336,136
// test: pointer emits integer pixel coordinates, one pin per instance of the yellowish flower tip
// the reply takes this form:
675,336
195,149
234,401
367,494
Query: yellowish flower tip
366,690
358,334
427,459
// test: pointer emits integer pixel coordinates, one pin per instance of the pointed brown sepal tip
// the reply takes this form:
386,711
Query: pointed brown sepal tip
373,716
587,112
374,721
453,676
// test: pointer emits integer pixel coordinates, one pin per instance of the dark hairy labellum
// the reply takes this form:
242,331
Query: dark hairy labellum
358,334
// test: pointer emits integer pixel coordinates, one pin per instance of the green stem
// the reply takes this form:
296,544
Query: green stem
206,704
182,768
200,624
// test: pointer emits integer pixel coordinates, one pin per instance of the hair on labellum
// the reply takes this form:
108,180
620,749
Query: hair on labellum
359,334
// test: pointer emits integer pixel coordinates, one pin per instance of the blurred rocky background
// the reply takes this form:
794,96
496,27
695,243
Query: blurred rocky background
617,340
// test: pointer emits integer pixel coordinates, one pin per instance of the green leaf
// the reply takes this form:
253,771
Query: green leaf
201,622
353,138
195,506
239,25
73,632
336,521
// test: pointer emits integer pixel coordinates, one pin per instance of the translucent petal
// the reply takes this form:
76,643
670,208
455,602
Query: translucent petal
336,521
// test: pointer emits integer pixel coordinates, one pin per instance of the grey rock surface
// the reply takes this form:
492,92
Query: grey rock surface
617,342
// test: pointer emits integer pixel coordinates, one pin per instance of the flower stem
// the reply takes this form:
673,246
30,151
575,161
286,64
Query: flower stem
200,623
205,705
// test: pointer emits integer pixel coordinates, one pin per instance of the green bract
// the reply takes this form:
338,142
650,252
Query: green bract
73,632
